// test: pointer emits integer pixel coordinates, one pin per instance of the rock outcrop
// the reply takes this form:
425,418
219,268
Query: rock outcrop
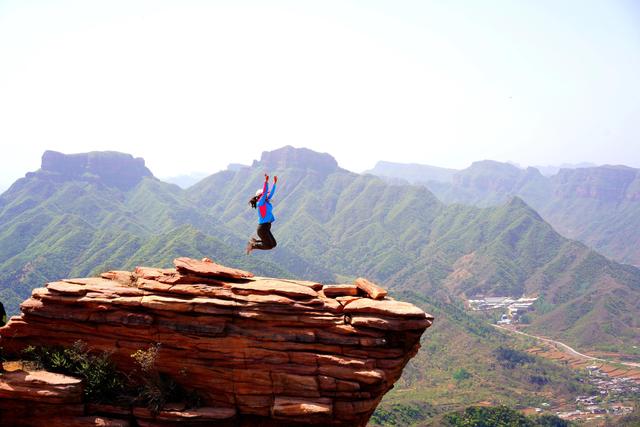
259,351
290,157
108,167
41,398
608,183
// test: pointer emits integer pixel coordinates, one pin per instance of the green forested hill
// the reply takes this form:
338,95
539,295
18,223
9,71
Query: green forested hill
402,236
599,206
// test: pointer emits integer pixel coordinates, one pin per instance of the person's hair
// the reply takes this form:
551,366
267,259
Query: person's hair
254,200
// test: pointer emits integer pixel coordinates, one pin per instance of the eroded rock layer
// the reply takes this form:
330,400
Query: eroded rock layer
258,350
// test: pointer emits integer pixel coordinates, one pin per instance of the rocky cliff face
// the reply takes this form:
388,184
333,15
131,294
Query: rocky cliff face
604,183
290,157
496,180
491,176
111,168
259,351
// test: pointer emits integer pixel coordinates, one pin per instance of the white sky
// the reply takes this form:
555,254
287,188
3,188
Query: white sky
195,85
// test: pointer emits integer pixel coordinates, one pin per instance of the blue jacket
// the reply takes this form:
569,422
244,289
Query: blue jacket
265,210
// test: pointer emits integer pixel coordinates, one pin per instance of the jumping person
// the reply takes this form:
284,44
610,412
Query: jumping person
262,201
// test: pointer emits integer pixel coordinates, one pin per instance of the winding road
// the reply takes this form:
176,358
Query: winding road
568,349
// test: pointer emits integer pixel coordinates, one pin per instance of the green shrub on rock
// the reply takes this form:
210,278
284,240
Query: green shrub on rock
157,388
102,382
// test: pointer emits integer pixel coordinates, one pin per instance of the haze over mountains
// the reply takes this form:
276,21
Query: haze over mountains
599,206
186,180
416,173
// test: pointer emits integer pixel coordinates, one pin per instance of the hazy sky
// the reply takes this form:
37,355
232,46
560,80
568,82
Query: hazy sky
195,85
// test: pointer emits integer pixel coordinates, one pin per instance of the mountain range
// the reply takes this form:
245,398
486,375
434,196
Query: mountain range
97,211
81,214
597,205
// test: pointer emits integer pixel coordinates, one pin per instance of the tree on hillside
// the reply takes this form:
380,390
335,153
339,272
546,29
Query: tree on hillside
500,416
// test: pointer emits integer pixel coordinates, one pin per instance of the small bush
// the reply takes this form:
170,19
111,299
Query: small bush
539,380
461,374
102,382
157,388
146,359
510,358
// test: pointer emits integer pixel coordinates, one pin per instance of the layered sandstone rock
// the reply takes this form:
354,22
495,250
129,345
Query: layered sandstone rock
38,398
259,351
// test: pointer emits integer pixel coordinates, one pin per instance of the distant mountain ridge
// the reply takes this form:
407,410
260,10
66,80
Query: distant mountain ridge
599,206
110,167
298,158
413,173
549,170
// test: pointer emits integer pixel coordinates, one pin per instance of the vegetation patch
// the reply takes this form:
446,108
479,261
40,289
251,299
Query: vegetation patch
511,358
404,414
460,375
499,416
102,381
156,388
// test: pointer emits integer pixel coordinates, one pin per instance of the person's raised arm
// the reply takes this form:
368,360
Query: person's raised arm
273,188
265,189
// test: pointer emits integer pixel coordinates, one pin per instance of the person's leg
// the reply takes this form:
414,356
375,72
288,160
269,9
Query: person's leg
265,241
253,242
271,242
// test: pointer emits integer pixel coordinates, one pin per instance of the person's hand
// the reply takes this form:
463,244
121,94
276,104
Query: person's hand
266,177
275,179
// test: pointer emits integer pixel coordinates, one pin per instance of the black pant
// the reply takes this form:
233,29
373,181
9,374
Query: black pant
267,241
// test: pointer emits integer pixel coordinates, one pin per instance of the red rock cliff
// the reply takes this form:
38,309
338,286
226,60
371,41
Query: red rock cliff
260,351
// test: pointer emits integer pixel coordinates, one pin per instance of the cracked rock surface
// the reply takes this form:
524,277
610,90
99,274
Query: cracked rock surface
260,351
